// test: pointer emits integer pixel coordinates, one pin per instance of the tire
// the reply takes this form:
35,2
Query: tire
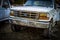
13,28
17,28
55,33
51,32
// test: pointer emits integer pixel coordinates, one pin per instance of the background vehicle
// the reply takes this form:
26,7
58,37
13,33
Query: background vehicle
36,13
4,10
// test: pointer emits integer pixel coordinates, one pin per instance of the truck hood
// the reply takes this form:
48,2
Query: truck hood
32,9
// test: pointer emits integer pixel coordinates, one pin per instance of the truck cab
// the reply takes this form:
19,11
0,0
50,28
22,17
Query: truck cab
4,10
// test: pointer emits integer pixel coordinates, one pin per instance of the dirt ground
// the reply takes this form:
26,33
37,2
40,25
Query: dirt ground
26,34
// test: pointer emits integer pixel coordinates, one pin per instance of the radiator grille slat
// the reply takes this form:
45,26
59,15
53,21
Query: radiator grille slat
28,15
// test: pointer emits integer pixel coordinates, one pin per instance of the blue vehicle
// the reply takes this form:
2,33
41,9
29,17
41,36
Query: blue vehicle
4,10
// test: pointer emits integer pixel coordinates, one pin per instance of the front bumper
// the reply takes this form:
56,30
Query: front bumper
30,23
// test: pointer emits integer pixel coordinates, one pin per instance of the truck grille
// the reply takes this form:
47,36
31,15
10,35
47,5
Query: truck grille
28,15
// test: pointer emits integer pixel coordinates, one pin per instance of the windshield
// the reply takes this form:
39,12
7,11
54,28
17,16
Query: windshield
43,3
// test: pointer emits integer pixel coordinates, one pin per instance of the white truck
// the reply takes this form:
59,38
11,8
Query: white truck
36,13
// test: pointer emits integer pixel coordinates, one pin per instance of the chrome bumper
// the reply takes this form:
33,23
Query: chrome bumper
30,23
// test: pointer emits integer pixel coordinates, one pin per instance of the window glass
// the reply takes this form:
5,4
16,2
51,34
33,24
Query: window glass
43,3
29,3
5,3
37,3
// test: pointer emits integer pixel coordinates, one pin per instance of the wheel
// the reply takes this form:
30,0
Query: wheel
55,33
14,28
51,32
17,28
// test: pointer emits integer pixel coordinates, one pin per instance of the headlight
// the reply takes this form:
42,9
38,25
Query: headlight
12,13
43,16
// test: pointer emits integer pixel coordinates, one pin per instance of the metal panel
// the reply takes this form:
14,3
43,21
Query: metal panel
2,11
7,12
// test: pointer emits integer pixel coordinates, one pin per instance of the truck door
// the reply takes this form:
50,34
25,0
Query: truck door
1,10
6,5
4,9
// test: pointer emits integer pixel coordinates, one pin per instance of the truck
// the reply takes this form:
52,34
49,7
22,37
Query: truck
4,10
38,14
